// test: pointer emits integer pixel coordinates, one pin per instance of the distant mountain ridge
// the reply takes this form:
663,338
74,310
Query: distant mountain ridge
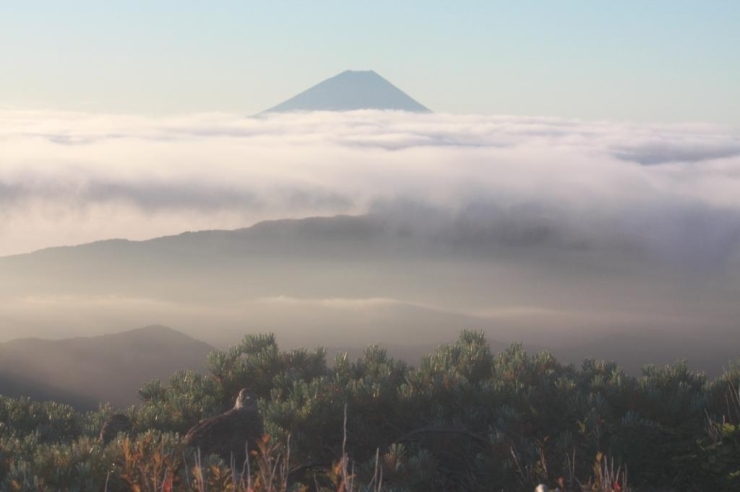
107,368
348,281
350,91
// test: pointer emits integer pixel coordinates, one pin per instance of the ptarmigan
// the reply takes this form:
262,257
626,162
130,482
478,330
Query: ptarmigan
229,433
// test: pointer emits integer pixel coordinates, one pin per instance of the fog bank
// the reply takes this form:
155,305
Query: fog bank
68,178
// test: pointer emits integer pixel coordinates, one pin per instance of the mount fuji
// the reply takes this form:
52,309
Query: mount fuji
349,91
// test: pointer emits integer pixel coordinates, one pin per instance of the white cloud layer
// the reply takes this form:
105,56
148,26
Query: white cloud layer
68,178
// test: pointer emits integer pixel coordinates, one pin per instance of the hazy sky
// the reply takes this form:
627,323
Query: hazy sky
663,61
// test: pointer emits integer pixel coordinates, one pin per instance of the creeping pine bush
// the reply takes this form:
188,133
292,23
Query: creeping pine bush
463,419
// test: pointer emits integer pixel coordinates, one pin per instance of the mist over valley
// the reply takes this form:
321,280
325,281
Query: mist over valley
402,229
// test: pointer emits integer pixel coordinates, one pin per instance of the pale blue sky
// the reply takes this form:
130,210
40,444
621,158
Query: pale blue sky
620,60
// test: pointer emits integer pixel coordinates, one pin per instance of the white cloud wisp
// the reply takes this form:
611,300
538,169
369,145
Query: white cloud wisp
68,178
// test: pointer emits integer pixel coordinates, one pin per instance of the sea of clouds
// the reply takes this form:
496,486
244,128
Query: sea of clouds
70,178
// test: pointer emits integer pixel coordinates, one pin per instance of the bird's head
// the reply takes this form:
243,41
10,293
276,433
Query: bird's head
246,401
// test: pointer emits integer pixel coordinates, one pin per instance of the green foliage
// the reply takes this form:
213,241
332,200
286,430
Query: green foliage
47,421
464,419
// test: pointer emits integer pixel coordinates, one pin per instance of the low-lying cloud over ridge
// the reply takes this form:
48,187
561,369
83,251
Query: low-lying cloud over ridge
68,178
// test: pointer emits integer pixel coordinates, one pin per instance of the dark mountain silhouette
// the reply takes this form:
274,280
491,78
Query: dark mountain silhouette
348,281
108,368
348,91
16,385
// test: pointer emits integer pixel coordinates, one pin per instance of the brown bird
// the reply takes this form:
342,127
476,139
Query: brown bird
228,434
114,425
